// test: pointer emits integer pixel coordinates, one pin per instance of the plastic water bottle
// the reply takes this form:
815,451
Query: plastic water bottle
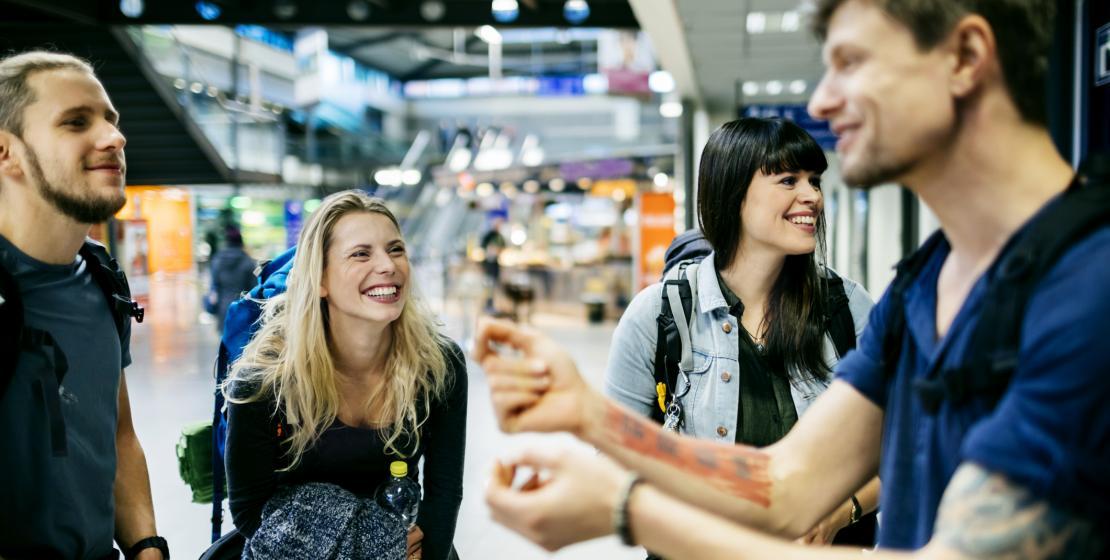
400,495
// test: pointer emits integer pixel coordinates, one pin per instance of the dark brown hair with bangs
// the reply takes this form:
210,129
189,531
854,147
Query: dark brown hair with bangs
794,320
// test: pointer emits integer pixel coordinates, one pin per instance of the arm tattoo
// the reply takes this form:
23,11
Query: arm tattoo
740,470
984,515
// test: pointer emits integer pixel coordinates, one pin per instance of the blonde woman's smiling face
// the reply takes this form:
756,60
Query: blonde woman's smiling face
366,269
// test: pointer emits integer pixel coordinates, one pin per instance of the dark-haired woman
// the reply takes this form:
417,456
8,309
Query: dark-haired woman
760,347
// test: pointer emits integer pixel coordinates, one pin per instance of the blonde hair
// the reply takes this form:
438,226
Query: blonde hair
16,94
289,359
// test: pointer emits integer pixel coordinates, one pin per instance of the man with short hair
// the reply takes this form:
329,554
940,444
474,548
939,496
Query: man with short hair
945,97
75,476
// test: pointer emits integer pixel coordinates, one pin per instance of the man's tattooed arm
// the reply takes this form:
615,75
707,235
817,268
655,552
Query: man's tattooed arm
984,515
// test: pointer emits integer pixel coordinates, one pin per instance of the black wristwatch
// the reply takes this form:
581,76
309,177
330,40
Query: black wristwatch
149,542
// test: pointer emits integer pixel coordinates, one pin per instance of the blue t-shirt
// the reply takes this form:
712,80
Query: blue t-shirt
1049,433
60,505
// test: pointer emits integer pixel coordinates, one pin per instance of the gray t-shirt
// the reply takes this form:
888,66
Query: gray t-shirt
60,504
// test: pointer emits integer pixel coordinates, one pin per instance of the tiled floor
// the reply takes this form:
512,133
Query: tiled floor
171,384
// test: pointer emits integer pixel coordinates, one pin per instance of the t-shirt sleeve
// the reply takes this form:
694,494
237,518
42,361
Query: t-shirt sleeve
1051,430
861,368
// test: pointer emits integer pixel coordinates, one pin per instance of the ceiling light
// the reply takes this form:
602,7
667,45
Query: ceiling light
212,91
531,186
411,177
774,87
619,195
488,34
358,10
798,86
557,185
791,21
131,8
207,10
757,22
661,81
285,9
661,179
670,109
576,11
196,87
433,10
179,83
751,88
505,11
484,189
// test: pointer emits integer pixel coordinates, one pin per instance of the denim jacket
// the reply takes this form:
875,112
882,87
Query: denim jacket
711,405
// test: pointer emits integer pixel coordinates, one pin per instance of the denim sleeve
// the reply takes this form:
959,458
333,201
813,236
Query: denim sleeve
1050,433
629,378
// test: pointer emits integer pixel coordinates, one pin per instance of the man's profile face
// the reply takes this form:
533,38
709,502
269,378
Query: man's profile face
885,100
73,149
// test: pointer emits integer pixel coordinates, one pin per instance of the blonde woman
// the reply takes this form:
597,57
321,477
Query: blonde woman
347,373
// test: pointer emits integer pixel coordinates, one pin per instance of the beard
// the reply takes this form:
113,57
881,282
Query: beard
873,171
87,209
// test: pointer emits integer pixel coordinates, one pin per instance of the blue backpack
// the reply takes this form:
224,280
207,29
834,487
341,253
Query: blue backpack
240,324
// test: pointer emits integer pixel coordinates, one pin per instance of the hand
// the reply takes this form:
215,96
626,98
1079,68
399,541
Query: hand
825,531
540,391
570,499
416,538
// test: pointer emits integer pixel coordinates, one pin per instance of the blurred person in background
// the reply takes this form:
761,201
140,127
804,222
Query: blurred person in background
232,271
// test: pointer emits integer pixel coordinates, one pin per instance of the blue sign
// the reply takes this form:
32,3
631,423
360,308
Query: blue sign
816,128
294,221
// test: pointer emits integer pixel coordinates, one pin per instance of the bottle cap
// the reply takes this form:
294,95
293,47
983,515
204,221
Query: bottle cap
399,469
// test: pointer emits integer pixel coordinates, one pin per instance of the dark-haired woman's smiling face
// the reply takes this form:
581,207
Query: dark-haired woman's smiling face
781,211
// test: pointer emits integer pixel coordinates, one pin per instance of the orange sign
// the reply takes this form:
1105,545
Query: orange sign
656,231
170,225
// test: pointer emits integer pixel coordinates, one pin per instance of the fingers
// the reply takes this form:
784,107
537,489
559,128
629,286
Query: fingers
500,331
415,539
507,406
516,374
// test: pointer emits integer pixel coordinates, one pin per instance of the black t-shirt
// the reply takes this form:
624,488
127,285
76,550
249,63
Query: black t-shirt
354,459
59,503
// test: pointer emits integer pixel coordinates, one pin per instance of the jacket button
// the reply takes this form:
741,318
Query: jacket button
726,376
722,431
727,327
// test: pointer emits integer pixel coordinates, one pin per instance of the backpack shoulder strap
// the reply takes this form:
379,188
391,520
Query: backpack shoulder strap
673,349
841,326
908,269
109,276
995,344
11,326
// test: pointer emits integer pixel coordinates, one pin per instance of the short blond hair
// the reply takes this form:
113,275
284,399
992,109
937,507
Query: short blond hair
16,95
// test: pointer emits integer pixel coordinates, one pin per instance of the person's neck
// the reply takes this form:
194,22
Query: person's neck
358,348
992,178
752,274
38,229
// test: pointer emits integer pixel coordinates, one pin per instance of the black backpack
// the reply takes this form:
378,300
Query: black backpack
673,351
15,337
986,371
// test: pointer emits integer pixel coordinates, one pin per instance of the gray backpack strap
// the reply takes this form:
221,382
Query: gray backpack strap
683,323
